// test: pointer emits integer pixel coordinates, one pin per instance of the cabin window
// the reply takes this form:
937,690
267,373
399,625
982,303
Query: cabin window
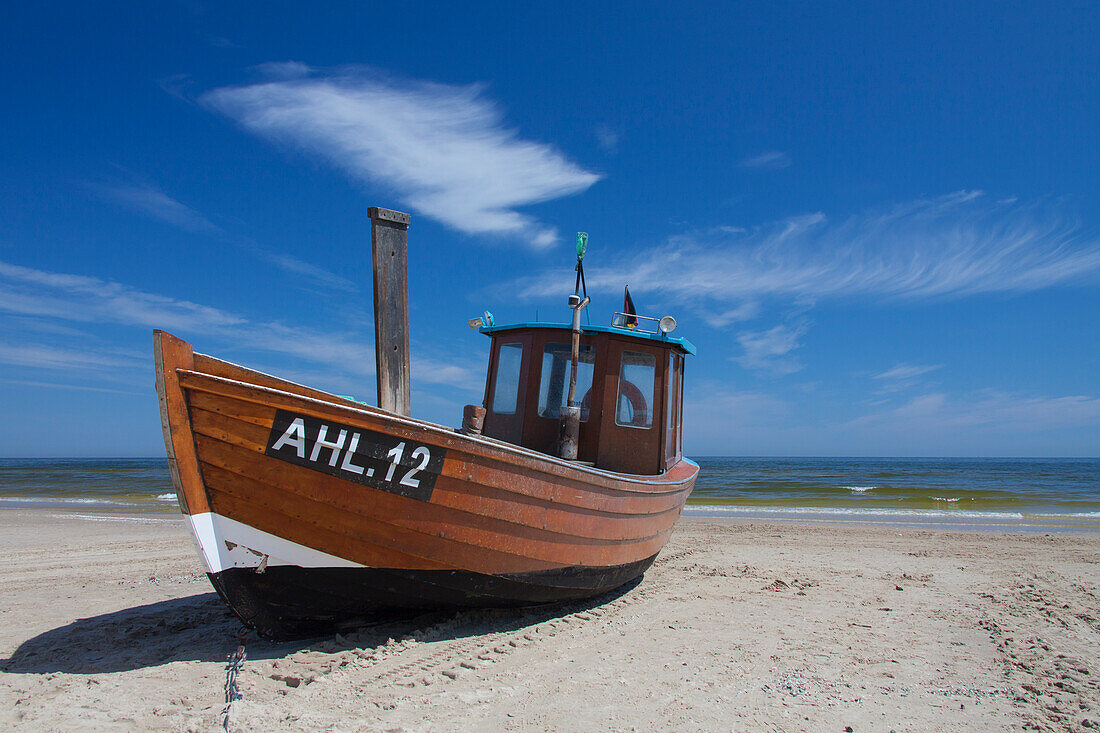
554,381
680,406
636,377
670,388
672,407
506,382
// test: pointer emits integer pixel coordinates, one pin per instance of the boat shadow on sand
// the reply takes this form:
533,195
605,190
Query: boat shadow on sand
201,628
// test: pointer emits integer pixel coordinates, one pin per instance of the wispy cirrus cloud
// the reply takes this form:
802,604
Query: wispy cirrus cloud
934,423
607,138
41,356
769,350
40,294
74,387
768,160
221,42
957,245
445,149
318,275
902,377
905,372
30,292
743,312
989,410
149,200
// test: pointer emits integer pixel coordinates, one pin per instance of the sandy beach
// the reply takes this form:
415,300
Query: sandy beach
110,623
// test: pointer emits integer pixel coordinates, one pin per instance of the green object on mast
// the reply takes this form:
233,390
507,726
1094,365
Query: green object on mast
582,245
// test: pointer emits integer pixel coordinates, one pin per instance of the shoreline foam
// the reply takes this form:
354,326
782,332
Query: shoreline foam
958,518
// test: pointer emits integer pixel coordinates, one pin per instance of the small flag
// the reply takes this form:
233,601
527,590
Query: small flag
628,308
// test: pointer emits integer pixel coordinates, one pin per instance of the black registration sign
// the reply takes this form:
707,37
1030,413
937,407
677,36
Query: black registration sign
374,459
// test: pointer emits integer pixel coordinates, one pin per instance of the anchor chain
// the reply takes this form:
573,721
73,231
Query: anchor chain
232,669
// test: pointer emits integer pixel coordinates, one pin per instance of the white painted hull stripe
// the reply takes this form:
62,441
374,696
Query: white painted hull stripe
226,543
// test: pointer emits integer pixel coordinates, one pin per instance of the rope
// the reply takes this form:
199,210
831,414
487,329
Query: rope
580,286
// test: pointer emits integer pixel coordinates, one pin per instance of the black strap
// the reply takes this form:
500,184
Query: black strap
580,286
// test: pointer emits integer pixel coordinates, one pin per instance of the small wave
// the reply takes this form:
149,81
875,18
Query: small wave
116,518
850,511
859,489
713,509
942,498
167,497
64,500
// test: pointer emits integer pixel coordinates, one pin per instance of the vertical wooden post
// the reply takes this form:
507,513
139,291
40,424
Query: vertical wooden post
389,232
570,428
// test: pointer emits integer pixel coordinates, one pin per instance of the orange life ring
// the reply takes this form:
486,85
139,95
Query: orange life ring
638,406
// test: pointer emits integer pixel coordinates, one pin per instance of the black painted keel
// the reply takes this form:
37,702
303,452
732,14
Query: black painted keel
287,601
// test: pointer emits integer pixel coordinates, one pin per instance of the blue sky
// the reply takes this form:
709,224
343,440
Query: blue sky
879,223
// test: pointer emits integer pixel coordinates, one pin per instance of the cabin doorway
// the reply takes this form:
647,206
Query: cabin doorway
631,428
506,391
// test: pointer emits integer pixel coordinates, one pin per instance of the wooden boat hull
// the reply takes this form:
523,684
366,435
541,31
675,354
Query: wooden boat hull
312,512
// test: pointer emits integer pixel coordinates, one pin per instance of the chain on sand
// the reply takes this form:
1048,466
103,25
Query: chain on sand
232,669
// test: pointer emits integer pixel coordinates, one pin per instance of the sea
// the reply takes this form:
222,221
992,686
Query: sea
1037,494
1021,493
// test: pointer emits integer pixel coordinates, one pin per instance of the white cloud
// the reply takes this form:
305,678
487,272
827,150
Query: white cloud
906,371
1014,412
320,276
151,201
721,404
444,149
901,377
41,356
744,312
28,292
923,407
75,387
723,421
989,411
220,42
953,246
768,160
769,350
283,70
607,138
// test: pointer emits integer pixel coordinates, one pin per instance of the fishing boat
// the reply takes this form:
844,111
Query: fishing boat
314,512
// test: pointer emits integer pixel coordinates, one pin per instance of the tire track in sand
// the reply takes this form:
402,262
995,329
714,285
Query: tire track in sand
437,648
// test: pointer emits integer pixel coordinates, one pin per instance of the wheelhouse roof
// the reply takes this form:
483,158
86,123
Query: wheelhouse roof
676,341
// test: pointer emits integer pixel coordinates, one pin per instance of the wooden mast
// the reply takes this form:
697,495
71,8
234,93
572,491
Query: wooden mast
571,413
389,239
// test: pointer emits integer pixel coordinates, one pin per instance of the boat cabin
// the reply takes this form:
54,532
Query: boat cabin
629,389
